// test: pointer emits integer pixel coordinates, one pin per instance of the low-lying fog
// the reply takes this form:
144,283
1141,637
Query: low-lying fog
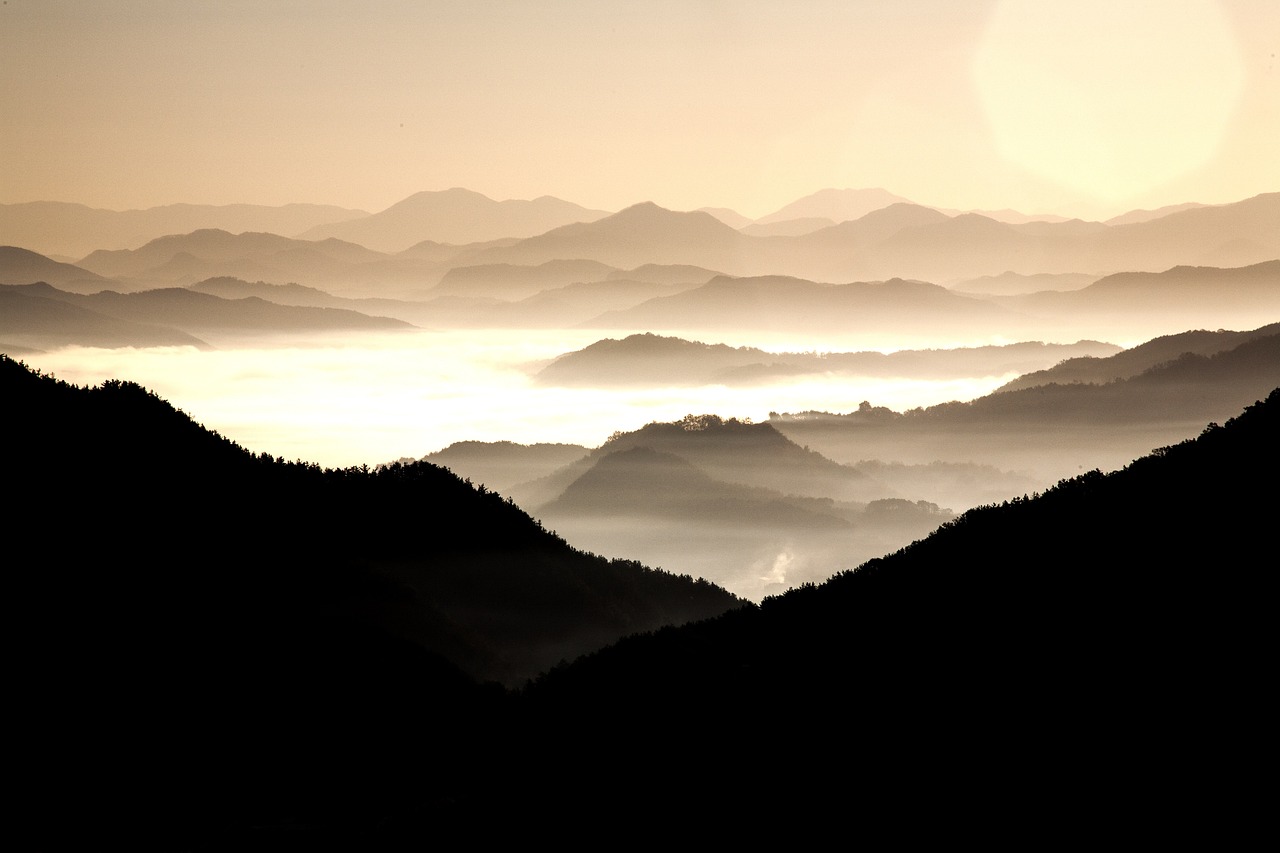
346,400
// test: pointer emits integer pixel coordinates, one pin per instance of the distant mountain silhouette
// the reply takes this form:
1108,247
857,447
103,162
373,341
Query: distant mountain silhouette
1178,298
837,205
785,304
1134,216
653,359
75,230
1013,284
788,227
1130,362
1054,430
629,498
32,319
500,465
727,449
457,216
203,314
22,266
641,234
512,282
729,217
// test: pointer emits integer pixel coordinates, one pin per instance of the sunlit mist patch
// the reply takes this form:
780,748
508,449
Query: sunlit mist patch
379,398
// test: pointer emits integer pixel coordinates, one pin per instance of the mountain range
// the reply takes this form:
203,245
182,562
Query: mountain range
287,655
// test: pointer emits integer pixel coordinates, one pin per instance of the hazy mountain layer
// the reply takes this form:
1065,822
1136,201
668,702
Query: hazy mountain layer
32,320
1053,431
22,266
74,230
657,360
204,314
453,216
1073,634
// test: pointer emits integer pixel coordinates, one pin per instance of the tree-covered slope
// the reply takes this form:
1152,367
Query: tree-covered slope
204,637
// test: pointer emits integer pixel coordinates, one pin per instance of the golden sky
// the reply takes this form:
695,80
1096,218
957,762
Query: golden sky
1087,107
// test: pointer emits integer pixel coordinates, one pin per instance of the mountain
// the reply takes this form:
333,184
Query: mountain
1180,297
512,282
788,227
75,230
1056,430
661,508
837,205
22,266
1133,216
204,314
500,465
641,234
1112,628
31,319
1014,284
729,217
653,359
346,269
456,216
263,643
793,305
1135,360
728,449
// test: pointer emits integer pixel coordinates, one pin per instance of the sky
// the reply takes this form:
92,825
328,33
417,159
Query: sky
1083,108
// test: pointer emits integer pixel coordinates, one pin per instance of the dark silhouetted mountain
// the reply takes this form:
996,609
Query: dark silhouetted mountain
21,266
1135,360
75,230
32,319
456,216
204,314
265,643
837,205
1112,628
652,359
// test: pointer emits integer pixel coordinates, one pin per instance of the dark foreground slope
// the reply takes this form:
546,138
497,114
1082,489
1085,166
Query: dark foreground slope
204,640
1093,657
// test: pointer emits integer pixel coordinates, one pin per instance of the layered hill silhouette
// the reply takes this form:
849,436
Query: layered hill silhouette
793,305
32,320
23,266
75,230
1054,430
250,638
1078,633
455,216
658,360
144,318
